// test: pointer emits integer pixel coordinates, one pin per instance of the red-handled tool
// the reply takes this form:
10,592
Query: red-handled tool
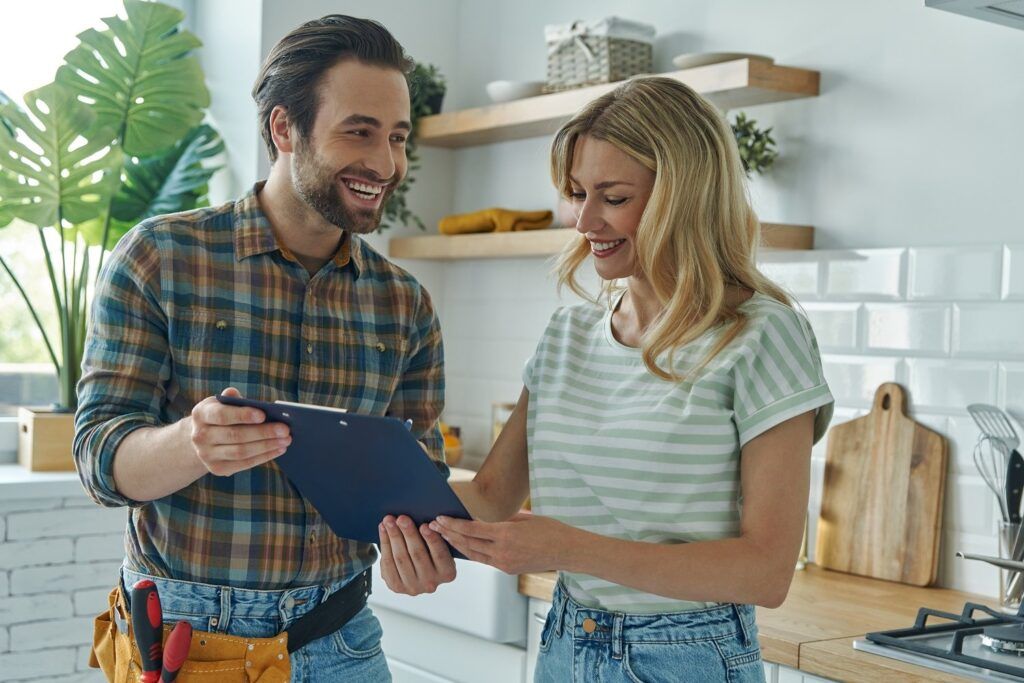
148,625
176,650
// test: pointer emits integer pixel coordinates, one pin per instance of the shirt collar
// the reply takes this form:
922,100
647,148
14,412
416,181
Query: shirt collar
253,235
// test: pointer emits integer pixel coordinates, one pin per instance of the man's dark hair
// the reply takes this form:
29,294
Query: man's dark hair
292,72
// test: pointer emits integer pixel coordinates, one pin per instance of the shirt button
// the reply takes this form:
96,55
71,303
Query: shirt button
309,348
312,538
589,625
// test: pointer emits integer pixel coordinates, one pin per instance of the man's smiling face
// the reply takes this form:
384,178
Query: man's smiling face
354,156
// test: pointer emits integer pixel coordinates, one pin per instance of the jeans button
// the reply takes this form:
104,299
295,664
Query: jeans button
589,625
289,602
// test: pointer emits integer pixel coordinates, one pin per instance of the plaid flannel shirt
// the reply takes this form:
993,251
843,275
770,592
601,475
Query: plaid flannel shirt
192,303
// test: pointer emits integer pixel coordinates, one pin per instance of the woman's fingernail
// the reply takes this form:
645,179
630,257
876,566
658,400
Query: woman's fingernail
433,527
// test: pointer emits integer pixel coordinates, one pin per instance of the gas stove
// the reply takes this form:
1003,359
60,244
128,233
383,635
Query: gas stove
979,643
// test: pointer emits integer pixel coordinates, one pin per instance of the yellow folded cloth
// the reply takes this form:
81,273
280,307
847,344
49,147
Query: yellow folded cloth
494,220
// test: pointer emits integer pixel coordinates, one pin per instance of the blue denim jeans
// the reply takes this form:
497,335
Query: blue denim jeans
707,645
352,653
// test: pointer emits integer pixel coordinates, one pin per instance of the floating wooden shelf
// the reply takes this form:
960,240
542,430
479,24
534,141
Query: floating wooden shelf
550,242
739,83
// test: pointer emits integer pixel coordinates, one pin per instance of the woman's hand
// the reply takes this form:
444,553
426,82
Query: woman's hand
413,561
525,543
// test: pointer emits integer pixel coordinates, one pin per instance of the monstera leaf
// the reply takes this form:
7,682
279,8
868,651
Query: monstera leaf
58,164
138,78
173,181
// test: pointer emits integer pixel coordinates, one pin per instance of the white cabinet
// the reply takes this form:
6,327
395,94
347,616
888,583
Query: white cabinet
419,651
788,675
537,612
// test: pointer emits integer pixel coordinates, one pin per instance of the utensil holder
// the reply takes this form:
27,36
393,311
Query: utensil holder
1011,583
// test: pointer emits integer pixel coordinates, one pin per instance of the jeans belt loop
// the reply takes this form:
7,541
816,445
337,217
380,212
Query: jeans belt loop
617,640
744,630
562,599
221,623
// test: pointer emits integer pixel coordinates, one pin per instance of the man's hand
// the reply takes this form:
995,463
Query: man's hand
413,561
231,439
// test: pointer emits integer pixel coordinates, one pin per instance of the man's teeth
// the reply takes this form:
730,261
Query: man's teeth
364,189
605,246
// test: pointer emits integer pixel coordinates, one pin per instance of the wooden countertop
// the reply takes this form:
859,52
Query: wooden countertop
822,615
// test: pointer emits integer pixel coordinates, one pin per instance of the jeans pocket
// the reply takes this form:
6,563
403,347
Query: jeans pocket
742,661
360,637
547,631
655,662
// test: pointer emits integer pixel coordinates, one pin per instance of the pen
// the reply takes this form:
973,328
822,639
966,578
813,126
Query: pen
408,425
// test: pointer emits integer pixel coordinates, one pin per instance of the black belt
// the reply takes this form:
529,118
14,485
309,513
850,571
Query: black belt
331,614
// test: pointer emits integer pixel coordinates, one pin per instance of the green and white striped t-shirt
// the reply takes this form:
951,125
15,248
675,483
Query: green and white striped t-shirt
618,451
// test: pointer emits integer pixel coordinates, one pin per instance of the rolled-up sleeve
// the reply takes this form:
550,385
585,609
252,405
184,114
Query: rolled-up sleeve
125,365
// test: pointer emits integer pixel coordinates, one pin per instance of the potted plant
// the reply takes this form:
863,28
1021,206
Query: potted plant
116,138
757,148
426,93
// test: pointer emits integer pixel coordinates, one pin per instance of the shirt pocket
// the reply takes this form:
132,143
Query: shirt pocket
370,366
212,350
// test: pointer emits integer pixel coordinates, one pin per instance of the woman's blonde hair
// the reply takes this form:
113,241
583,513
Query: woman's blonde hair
698,232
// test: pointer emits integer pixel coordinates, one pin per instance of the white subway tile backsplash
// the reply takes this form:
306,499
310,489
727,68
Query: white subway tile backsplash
1011,382
835,326
854,379
799,277
950,385
968,575
1013,271
993,330
916,329
970,506
5,642
963,435
866,274
955,273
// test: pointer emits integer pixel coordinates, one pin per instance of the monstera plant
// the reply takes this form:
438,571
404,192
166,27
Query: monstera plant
116,138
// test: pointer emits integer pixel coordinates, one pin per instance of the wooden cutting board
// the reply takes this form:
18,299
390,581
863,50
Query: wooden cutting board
881,507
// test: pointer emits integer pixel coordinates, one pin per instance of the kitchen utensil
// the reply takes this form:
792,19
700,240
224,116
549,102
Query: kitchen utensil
506,91
995,561
992,464
694,59
881,506
996,426
176,651
148,627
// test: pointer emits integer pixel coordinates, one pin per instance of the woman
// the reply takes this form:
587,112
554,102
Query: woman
665,436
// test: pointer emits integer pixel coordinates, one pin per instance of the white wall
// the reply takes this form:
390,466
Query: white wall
909,143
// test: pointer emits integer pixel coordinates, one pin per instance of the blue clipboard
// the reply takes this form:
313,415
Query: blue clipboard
356,469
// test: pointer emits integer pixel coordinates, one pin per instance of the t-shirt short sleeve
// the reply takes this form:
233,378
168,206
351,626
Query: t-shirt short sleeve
779,376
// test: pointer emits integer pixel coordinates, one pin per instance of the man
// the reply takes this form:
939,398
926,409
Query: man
277,297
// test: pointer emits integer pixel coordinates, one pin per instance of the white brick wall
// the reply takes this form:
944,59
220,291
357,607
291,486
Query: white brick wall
59,557
947,323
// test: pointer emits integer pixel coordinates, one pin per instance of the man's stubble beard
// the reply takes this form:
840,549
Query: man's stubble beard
318,188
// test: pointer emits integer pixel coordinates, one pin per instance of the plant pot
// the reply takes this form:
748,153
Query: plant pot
434,103
44,440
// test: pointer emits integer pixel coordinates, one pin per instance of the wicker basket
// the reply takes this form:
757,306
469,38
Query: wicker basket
611,50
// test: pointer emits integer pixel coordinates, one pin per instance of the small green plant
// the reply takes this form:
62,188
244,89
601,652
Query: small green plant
757,148
426,91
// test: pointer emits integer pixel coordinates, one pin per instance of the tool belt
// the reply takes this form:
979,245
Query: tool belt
218,656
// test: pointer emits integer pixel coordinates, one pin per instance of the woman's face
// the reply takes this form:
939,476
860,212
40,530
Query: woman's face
609,190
